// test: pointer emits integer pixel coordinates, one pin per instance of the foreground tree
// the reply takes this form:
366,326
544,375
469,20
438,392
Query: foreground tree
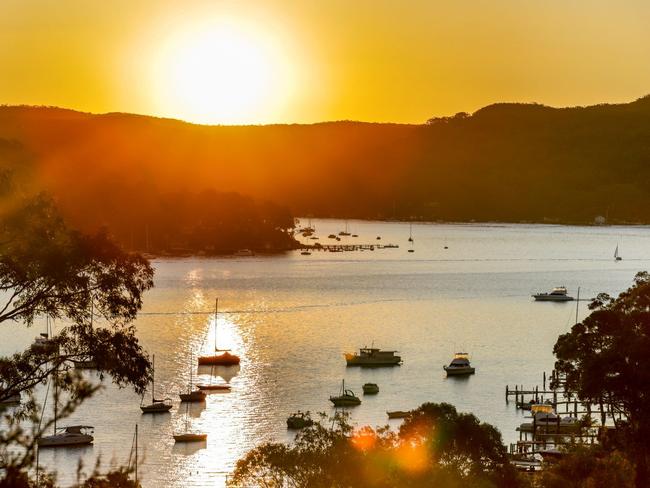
436,446
50,270
606,359
589,467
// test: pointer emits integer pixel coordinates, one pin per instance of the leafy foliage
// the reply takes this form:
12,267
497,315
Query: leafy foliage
436,446
605,360
49,269
589,467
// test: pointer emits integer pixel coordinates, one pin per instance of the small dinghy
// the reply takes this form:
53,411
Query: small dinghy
370,389
299,420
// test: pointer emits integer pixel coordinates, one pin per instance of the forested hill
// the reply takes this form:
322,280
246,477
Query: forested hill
505,162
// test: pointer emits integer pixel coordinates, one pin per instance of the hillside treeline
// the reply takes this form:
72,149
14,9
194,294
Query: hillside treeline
505,162
146,219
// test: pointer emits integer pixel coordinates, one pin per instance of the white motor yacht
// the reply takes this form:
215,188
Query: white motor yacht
460,365
558,294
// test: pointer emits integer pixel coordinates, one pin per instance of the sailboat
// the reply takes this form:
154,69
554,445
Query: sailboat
213,386
617,257
45,340
345,232
224,357
72,435
189,436
346,398
156,406
197,395
410,232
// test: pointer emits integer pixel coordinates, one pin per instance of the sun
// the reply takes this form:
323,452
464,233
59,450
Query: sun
221,73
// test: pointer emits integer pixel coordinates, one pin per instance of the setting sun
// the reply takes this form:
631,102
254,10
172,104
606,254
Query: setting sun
221,73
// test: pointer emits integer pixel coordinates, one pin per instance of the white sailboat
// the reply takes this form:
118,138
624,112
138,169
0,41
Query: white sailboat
72,435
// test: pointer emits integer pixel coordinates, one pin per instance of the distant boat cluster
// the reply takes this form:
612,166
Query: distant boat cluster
372,357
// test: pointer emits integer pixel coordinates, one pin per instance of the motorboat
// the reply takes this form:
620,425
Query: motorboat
371,356
460,365
299,420
398,414
370,389
331,236
84,363
73,435
244,252
411,250
544,417
557,294
531,403
222,357
156,406
346,398
305,253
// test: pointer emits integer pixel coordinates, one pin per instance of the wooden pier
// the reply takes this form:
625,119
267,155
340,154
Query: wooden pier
345,247
575,419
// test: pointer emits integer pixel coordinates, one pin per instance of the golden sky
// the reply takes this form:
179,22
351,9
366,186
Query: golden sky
267,61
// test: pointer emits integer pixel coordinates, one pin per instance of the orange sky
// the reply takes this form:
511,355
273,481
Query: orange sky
312,60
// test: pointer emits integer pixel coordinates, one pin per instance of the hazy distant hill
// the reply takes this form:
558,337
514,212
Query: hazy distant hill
506,162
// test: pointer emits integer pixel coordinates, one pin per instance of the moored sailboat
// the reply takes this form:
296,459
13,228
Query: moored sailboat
197,395
156,406
222,357
188,436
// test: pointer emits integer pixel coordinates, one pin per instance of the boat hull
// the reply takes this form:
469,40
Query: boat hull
193,396
219,360
345,401
397,414
459,371
214,387
190,437
551,298
358,361
370,389
65,440
156,408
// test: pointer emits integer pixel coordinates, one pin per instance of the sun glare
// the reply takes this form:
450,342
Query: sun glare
222,73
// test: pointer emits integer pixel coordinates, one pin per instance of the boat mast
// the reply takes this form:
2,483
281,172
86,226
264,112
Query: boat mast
216,309
577,304
56,392
153,379
136,454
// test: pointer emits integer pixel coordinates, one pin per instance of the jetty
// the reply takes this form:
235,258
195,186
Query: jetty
572,421
345,247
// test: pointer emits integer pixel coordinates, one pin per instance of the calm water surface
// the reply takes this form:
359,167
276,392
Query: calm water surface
292,317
